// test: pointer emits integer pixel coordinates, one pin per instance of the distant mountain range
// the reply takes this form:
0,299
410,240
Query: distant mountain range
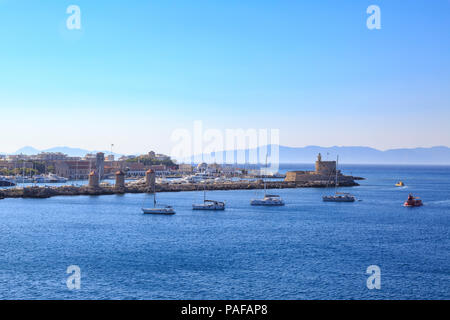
349,155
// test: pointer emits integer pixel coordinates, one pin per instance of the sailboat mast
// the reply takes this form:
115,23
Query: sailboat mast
264,179
336,181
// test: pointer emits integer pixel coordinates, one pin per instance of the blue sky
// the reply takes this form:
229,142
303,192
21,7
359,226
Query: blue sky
137,70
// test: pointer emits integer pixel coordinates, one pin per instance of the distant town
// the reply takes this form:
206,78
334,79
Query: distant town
150,172
79,168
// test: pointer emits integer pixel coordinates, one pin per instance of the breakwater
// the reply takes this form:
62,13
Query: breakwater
47,192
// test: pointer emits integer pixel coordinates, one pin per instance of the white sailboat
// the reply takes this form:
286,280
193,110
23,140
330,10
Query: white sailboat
209,204
338,196
166,210
269,200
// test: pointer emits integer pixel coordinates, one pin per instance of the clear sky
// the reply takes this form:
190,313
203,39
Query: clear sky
138,69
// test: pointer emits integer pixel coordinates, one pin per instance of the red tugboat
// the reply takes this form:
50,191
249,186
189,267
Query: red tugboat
413,202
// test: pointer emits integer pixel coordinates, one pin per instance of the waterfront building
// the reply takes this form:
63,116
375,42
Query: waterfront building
125,158
213,168
89,156
185,168
324,171
201,167
136,173
6,165
50,156
16,164
324,167
17,157
231,170
113,166
74,169
162,157
139,170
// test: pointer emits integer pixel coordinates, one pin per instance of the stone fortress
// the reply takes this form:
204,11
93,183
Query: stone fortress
325,172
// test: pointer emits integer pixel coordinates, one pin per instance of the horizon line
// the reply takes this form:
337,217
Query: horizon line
234,150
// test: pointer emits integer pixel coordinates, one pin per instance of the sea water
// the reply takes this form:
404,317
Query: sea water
307,249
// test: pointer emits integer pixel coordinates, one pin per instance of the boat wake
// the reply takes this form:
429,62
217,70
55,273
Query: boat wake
444,203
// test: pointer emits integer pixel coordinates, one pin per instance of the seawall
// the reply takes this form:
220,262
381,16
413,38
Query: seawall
47,192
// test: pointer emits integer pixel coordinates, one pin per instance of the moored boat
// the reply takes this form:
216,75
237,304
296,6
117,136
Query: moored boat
209,205
269,200
49,178
167,210
338,196
6,183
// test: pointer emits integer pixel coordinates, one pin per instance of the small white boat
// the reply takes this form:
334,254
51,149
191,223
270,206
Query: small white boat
49,178
269,200
197,178
166,210
339,197
209,205
23,179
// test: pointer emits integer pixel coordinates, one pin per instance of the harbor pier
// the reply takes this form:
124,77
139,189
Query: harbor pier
96,190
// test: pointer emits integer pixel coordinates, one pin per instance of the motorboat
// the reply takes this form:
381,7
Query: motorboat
49,178
198,177
413,202
400,184
23,179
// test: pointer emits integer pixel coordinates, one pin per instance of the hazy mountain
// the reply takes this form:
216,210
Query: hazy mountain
27,151
349,155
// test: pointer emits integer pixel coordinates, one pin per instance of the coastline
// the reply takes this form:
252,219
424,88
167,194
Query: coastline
43,192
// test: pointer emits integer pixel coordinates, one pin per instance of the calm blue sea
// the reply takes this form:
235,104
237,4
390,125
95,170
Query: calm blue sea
305,250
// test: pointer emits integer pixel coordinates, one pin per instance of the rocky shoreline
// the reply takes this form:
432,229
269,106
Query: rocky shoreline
47,192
